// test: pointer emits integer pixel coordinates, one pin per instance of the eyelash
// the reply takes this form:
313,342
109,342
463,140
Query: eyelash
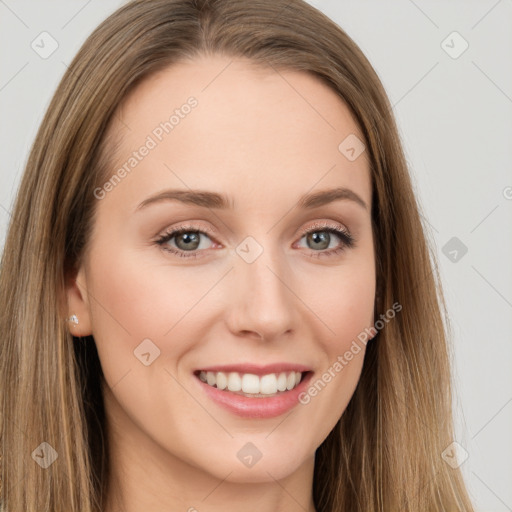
347,240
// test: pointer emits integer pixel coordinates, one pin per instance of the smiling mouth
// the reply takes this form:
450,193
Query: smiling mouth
251,385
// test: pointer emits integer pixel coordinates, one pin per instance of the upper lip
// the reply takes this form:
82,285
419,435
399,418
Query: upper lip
256,369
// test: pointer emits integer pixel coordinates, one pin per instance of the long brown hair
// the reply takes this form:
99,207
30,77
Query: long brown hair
384,454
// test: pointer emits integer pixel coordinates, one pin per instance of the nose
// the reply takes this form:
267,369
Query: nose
262,304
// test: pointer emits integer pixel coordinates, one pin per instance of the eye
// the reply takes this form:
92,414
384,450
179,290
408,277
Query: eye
321,236
186,239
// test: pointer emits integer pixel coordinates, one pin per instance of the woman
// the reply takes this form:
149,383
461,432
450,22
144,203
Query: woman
217,292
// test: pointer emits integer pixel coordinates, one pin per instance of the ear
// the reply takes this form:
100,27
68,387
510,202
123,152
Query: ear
78,303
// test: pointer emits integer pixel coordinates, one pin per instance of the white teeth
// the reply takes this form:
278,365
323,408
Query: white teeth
269,384
281,382
290,381
234,382
222,380
250,383
210,378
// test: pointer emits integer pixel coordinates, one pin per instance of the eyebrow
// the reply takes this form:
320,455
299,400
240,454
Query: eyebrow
215,200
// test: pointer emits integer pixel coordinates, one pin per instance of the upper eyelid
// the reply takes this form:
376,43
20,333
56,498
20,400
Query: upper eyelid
324,225
214,232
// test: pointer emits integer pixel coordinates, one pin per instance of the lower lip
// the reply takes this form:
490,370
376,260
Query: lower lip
248,407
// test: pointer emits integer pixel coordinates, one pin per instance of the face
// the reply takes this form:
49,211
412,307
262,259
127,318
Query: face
264,287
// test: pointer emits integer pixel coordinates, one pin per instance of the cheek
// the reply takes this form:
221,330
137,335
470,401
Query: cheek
139,298
133,299
348,313
348,304
346,307
343,299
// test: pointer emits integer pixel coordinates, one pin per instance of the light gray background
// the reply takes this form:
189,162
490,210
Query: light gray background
454,115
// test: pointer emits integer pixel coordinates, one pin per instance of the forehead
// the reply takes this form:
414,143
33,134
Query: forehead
249,127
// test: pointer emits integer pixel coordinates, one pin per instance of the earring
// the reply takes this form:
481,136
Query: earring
73,319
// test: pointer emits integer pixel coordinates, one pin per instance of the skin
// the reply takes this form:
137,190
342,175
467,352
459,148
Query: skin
264,139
